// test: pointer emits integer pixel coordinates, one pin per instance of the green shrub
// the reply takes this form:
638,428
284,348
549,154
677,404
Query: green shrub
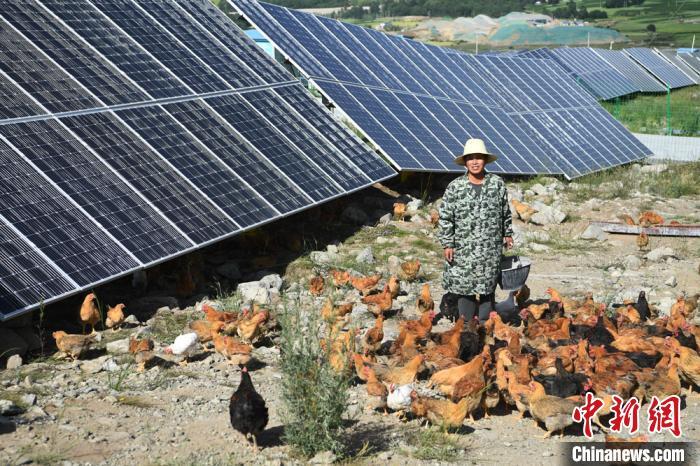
313,394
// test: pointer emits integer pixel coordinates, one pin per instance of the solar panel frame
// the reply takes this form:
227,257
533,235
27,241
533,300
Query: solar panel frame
672,57
642,79
692,60
657,65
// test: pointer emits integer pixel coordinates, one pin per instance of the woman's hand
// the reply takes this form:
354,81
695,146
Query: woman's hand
508,241
449,254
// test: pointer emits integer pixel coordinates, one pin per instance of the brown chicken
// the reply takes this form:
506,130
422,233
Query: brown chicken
203,329
376,389
627,219
408,349
446,336
405,374
73,346
536,311
329,312
212,315
650,218
519,393
394,286
421,327
115,316
689,364
379,303
340,277
316,285
237,353
446,379
142,350
442,413
249,328
633,344
434,217
89,314
399,210
365,284
552,411
524,211
372,340
663,383
425,300
449,349
522,295
642,241
410,269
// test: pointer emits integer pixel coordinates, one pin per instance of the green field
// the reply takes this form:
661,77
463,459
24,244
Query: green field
647,113
676,21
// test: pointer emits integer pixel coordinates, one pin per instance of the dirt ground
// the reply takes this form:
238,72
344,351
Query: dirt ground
77,413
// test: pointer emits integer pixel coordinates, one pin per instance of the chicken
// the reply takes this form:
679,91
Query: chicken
434,217
203,329
375,389
379,303
399,397
405,374
648,218
563,384
446,336
554,295
365,284
89,314
184,346
642,241
443,413
372,340
663,384
236,352
535,310
399,210
73,346
501,331
425,300
247,409
679,307
449,349
628,220
316,285
410,269
524,211
330,313
633,344
394,286
553,411
212,315
522,295
115,316
446,379
519,393
249,328
340,277
420,328
142,350
689,364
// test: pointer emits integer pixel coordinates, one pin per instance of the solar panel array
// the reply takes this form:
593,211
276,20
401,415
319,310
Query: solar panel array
135,131
692,60
642,80
680,64
655,63
419,103
604,81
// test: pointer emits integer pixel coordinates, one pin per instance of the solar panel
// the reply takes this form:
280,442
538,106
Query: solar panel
692,60
680,64
135,131
604,81
640,77
666,72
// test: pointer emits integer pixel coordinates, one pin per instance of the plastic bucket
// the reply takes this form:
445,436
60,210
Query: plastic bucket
514,272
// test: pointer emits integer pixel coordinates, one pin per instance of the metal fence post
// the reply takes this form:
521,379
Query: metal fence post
669,131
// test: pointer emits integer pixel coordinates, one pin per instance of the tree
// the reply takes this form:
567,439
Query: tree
651,28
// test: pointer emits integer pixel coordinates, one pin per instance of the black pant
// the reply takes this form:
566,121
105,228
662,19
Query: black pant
468,305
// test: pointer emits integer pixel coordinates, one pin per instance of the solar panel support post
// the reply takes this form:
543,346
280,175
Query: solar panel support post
616,110
669,131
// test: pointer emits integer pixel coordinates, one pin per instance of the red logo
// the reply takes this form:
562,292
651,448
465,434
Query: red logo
586,412
665,415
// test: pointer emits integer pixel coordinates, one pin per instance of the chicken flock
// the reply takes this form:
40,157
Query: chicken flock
542,362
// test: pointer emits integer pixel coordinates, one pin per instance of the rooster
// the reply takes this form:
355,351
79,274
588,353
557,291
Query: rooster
89,314
247,409
115,316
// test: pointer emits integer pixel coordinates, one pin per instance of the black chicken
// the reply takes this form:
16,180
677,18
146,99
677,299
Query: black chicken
599,335
247,409
642,306
562,384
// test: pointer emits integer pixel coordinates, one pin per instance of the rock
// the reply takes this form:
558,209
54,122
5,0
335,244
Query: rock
515,193
538,189
381,240
660,254
594,232
324,457
7,426
394,265
538,235
95,366
418,219
537,247
118,346
518,235
35,412
547,454
28,399
671,281
655,168
365,256
132,320
385,219
322,257
229,270
332,249
355,215
14,361
8,408
548,216
414,205
252,291
12,343
664,305
273,282
632,262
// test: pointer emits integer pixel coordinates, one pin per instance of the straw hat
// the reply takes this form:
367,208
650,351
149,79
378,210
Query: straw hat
475,146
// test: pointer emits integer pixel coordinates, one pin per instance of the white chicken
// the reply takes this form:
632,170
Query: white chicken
399,398
184,345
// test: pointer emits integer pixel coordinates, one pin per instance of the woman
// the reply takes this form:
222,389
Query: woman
475,223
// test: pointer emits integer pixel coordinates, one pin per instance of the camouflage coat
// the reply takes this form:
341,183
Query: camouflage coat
474,225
